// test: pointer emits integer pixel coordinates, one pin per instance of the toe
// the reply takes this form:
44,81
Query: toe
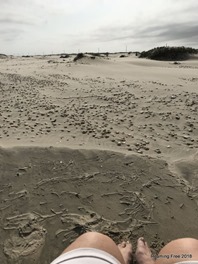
122,244
126,251
129,246
141,239
143,252
141,242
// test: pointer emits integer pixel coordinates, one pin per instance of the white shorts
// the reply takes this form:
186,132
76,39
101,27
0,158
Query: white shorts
188,262
86,256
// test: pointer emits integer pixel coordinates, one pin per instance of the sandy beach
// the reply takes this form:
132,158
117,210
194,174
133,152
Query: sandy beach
106,143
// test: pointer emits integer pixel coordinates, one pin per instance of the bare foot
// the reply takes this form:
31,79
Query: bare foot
143,253
126,251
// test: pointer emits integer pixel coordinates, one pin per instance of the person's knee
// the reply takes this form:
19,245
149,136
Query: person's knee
94,236
98,241
181,244
184,242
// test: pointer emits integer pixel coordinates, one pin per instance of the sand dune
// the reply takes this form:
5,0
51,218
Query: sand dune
106,144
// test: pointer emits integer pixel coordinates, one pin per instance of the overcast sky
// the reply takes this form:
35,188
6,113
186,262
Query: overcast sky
46,26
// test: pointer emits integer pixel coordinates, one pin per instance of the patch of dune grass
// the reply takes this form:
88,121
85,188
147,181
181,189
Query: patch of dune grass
169,53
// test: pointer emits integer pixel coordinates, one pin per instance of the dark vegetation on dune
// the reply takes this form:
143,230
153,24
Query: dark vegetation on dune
168,53
97,54
79,56
91,55
64,56
82,55
2,56
94,54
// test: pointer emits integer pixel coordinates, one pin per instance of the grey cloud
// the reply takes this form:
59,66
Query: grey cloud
10,31
13,27
11,34
14,21
21,12
171,31
160,32
113,33
191,9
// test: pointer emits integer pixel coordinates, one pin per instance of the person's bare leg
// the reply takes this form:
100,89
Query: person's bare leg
183,249
102,242
143,253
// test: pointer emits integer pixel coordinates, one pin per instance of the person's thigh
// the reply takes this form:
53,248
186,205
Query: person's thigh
184,249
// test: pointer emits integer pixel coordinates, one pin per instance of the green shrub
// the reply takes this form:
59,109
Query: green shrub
168,53
79,56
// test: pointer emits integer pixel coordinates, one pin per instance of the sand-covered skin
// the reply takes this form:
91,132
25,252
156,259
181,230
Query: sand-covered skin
105,144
